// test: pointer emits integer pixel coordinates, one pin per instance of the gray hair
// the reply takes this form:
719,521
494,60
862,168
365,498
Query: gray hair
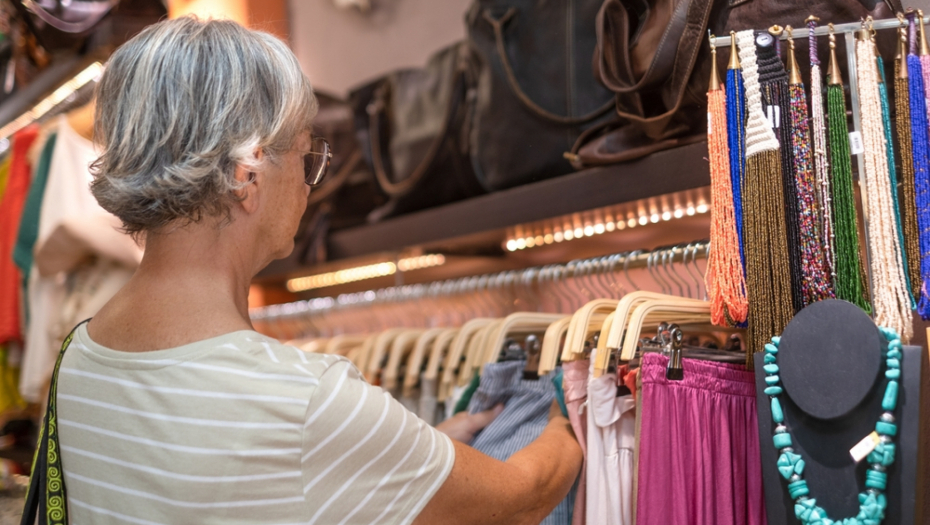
180,106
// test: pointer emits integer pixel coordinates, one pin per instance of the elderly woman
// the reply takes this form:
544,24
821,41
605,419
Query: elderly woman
171,409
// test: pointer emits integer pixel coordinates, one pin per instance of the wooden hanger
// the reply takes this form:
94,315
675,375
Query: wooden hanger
315,346
551,344
417,359
400,350
618,334
583,323
341,344
519,322
364,353
378,353
606,328
439,351
456,352
678,310
474,354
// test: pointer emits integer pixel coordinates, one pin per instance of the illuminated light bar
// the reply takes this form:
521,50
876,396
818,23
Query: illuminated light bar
607,220
361,273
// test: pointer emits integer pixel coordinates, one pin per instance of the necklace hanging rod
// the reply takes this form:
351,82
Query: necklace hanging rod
620,262
852,27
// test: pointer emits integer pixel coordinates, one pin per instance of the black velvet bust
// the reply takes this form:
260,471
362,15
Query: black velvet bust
832,372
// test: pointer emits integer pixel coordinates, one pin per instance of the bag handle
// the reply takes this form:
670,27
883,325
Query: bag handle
47,498
672,62
398,189
498,25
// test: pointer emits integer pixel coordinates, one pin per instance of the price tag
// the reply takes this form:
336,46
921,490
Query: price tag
855,143
864,447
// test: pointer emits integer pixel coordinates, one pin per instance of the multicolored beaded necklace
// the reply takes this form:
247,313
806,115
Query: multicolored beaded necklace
872,501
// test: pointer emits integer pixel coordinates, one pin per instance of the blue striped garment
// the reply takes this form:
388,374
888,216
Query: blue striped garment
525,415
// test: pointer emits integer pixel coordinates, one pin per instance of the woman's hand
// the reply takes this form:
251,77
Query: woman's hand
463,426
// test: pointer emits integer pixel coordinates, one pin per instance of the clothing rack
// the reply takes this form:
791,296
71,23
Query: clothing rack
657,261
849,30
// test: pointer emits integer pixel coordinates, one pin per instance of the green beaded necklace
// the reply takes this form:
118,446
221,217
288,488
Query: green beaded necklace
872,502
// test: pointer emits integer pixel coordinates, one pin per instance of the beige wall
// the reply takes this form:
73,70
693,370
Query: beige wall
339,48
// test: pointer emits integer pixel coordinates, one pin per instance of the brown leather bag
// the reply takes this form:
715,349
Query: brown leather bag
653,54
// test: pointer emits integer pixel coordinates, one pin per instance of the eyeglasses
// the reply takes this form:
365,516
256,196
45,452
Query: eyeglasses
317,161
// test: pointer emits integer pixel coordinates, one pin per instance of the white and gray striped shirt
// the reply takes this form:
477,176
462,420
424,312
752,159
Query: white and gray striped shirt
238,429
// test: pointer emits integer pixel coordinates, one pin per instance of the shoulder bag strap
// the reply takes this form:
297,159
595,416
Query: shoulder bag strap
47,499
672,63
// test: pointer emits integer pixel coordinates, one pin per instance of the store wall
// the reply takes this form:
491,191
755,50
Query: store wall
341,48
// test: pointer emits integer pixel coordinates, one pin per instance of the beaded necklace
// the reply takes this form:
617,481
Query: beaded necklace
850,275
773,81
892,173
903,128
724,275
872,501
919,141
767,269
821,165
736,137
815,285
891,299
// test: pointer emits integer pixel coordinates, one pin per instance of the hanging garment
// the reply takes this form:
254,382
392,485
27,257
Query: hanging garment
11,208
29,225
69,211
611,443
575,384
429,408
699,441
525,415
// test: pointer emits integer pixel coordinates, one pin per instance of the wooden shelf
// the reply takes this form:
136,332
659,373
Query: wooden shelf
665,172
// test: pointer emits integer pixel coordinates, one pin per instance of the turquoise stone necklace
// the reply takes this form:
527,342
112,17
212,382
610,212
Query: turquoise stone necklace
872,502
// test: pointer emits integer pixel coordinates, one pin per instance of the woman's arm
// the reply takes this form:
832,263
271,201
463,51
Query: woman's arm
522,490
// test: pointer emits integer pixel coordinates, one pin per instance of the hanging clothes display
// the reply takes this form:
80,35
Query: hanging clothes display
690,432
575,383
14,197
526,413
611,439
29,225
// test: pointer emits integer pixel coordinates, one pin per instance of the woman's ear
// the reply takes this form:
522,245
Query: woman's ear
250,185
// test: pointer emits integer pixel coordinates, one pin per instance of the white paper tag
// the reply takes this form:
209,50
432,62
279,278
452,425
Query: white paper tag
855,143
864,447
769,114
777,116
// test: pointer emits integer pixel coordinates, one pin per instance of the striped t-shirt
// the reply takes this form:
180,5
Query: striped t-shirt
238,429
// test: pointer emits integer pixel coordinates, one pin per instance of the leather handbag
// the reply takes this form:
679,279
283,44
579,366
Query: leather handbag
536,90
412,128
47,499
653,54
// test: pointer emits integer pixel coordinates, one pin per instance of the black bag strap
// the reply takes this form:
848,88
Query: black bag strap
47,498
498,25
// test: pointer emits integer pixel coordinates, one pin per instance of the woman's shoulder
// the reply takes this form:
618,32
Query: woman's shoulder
244,354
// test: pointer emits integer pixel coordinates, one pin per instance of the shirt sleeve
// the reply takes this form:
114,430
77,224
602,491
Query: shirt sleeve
365,458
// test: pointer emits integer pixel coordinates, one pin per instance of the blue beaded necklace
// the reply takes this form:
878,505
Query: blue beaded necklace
872,502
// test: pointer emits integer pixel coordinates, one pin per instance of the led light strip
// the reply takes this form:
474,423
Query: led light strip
361,273
609,219
90,74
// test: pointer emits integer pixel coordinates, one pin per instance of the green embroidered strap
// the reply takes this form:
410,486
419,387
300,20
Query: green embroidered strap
55,497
